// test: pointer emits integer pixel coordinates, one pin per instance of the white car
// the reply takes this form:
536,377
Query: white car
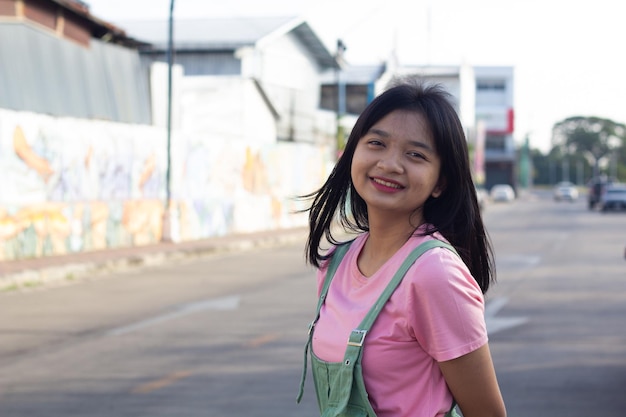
481,195
502,192
565,191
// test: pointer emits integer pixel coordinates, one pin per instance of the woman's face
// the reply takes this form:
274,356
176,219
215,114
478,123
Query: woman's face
395,167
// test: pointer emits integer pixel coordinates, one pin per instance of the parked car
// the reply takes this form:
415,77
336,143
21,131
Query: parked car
596,188
565,190
482,196
502,192
613,197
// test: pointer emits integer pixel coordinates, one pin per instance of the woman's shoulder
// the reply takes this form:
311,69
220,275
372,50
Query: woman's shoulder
343,246
443,245
438,264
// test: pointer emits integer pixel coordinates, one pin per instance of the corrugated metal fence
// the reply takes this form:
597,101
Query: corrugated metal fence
41,74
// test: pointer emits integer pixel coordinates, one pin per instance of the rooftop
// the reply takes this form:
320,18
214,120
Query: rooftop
212,34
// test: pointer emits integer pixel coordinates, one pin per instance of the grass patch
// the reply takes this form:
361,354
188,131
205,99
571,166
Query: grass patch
10,288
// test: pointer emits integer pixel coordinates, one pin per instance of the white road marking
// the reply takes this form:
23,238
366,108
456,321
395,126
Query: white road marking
519,261
224,303
496,324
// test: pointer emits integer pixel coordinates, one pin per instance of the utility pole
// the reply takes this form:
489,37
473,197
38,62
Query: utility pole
525,163
341,97
166,235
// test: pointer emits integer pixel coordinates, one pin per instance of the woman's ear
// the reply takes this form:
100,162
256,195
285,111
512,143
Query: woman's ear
439,188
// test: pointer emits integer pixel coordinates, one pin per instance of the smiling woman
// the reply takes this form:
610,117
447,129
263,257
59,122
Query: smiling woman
407,292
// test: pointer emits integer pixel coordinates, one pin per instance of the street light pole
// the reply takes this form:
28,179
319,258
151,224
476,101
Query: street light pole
341,96
166,235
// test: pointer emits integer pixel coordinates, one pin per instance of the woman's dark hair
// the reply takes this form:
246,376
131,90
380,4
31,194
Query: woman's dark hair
455,213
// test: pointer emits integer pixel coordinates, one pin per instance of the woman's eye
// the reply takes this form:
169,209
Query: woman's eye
415,155
375,142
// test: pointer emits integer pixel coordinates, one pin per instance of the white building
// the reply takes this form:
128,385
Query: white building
482,96
244,77
495,113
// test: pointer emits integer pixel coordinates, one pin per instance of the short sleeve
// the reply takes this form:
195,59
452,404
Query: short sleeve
448,306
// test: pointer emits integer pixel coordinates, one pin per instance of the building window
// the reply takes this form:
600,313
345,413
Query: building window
495,142
357,98
490,85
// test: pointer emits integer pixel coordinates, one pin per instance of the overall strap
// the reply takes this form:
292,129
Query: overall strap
354,348
397,278
357,336
337,256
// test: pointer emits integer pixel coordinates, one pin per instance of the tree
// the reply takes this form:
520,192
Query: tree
592,137
541,167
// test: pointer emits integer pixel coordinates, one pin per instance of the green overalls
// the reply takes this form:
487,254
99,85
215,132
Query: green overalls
339,385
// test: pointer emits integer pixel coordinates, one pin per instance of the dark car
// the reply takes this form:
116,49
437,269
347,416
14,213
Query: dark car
596,189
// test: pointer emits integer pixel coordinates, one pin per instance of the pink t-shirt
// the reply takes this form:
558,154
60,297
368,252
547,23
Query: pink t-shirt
436,314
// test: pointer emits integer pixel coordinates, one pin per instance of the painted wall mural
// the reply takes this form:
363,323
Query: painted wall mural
70,185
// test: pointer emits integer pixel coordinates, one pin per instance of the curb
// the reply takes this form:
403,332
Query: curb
72,271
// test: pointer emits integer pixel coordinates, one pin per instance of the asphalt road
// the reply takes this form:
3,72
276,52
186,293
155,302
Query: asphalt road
223,336
562,270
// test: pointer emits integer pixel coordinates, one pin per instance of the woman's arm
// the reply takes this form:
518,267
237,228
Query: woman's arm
473,383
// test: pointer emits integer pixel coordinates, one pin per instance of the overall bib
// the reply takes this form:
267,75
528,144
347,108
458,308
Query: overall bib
339,386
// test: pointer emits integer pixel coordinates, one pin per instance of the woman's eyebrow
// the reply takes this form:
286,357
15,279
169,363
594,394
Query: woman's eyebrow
422,145
379,132
385,134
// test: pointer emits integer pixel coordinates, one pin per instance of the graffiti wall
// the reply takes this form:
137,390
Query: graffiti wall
70,185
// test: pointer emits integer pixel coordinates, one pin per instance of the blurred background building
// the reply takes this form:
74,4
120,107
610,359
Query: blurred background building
259,109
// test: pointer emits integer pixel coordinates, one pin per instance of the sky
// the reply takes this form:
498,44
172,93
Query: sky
568,56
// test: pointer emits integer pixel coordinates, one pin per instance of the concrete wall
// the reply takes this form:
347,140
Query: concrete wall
227,107
72,185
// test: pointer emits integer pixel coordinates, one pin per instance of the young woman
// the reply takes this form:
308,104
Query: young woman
403,179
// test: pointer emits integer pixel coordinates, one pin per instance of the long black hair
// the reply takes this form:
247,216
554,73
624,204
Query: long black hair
455,213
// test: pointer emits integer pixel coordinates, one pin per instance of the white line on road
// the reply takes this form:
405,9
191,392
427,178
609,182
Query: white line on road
224,303
496,324
524,261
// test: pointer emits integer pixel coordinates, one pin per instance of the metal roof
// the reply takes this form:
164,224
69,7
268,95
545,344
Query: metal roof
218,34
432,70
357,74
99,28
42,73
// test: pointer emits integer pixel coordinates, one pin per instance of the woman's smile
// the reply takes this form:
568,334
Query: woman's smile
385,185
395,167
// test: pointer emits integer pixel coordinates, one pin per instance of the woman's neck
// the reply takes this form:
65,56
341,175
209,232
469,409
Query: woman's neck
383,242
389,231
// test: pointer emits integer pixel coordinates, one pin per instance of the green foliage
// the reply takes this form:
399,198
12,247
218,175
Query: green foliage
583,147
593,138
541,167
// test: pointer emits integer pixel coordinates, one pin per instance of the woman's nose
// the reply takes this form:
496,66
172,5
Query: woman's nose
390,162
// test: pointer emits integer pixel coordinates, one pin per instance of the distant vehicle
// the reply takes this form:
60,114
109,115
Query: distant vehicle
596,188
482,196
565,190
502,192
613,197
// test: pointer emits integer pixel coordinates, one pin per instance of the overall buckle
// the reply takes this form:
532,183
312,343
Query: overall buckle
357,337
